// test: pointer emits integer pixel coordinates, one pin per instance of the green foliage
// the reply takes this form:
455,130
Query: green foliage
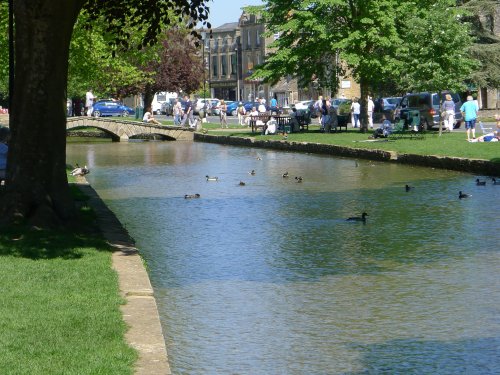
4,49
481,14
436,52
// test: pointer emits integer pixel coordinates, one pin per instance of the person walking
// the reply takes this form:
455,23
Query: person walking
448,112
355,112
371,107
188,111
469,112
89,102
223,114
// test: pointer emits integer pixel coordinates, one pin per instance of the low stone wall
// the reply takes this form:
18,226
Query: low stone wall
483,167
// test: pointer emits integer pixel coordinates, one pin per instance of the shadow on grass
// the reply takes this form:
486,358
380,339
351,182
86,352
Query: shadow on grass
68,243
42,244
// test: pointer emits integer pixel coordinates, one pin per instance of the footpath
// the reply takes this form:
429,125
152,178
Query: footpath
140,311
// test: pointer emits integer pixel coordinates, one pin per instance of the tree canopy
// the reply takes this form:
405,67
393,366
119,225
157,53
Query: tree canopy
416,44
36,188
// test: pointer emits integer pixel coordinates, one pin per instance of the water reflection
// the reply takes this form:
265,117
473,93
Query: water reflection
269,278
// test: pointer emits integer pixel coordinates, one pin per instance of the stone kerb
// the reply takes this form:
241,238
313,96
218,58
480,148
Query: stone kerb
484,167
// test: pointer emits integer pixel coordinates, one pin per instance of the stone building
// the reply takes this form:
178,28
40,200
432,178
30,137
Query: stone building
236,48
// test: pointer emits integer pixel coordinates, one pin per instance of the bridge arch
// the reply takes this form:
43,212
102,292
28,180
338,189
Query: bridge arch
122,130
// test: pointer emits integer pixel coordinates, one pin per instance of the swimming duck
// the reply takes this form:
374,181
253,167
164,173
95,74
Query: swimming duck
252,172
495,182
242,183
358,218
212,178
190,196
298,179
463,195
480,183
408,187
285,175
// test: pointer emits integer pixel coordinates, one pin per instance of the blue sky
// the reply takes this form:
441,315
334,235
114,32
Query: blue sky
223,11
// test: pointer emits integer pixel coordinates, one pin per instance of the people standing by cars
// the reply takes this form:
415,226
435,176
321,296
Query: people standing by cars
448,112
223,114
469,111
325,116
241,114
89,102
371,108
355,112
188,111
262,106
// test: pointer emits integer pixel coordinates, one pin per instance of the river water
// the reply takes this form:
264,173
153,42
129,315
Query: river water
269,278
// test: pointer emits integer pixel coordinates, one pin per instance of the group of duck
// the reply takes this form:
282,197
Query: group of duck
298,179
462,195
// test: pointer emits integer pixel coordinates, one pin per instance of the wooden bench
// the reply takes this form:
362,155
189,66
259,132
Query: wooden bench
304,120
259,121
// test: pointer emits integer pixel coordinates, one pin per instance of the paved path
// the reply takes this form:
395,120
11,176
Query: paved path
140,312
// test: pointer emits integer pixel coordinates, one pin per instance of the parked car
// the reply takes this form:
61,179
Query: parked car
303,105
248,106
428,104
111,107
200,103
167,108
232,108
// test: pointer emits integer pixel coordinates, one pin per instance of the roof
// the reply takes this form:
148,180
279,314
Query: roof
230,26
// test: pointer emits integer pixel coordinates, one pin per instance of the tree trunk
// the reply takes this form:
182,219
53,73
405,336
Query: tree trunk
37,187
364,106
148,96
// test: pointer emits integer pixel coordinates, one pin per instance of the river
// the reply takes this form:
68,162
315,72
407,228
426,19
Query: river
270,278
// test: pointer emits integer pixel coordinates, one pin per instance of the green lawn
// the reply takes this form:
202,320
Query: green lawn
60,304
449,144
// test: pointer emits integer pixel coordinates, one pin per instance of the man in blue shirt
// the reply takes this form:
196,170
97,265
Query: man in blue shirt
469,112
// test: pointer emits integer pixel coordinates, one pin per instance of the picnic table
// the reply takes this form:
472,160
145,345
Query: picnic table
283,122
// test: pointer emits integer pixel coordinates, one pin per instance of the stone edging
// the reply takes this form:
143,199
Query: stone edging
478,166
140,312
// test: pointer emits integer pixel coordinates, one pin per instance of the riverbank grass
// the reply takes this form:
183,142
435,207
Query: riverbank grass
60,304
448,144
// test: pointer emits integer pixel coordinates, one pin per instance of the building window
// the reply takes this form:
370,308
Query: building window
233,64
276,35
249,40
223,64
257,37
215,66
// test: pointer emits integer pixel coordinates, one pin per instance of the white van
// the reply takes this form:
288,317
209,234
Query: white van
159,98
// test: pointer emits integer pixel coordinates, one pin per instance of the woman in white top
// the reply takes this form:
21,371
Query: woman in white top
148,117
355,111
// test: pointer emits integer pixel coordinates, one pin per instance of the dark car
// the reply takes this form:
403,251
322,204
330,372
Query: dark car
167,108
428,104
111,108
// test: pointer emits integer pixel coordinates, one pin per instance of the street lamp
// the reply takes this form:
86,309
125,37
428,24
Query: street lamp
203,37
237,75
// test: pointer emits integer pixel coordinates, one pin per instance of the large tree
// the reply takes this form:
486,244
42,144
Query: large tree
179,66
484,17
320,40
37,188
415,44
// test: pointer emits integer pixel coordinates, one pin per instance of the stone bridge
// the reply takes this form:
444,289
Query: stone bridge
123,129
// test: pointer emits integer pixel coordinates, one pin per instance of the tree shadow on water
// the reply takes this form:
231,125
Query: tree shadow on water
413,356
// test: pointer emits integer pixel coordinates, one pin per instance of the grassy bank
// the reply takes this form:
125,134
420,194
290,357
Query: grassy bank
449,144
60,304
